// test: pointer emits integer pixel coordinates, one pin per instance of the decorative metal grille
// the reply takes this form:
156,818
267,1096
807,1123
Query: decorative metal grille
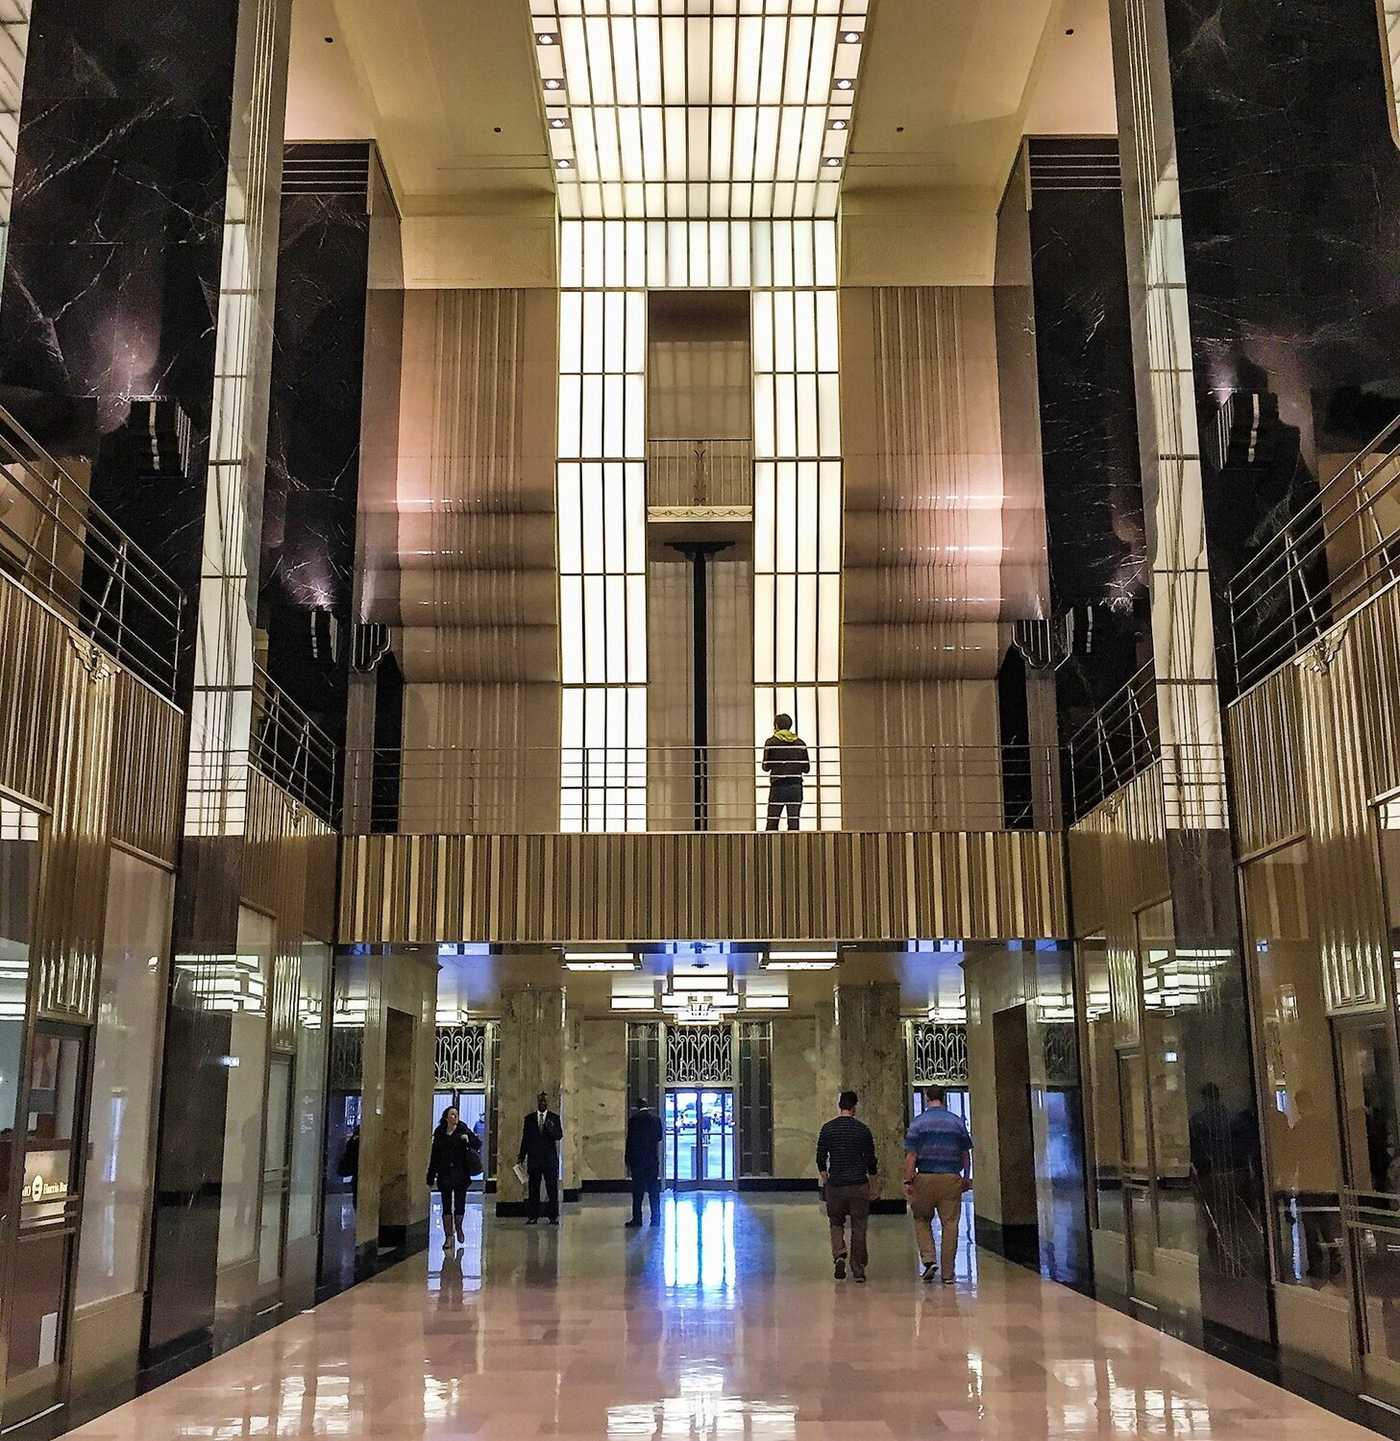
755,1098
940,1053
347,1057
1060,1048
460,1056
699,1056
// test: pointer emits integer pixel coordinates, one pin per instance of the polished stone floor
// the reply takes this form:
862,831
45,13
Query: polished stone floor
723,1322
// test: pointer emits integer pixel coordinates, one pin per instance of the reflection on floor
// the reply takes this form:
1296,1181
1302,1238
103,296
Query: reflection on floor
722,1322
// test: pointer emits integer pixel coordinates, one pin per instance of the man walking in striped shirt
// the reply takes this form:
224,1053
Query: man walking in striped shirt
847,1165
937,1170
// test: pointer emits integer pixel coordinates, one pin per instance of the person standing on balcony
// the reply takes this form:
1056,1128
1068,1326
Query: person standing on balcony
786,761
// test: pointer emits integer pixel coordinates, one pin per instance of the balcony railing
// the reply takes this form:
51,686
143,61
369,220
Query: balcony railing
1119,741
686,788
699,474
291,750
1338,551
57,543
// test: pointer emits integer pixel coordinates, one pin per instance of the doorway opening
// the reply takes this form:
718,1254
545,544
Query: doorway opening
699,1138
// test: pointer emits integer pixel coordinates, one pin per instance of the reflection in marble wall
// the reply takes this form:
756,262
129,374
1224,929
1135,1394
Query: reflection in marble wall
800,1103
1032,1204
533,1057
598,1096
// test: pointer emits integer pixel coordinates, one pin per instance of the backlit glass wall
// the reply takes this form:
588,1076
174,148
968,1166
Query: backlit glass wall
606,268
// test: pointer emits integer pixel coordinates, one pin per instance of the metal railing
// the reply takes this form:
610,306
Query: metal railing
1339,550
685,788
291,750
1118,742
59,544
700,472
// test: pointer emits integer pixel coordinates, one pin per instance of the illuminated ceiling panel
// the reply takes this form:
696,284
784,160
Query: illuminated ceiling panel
699,108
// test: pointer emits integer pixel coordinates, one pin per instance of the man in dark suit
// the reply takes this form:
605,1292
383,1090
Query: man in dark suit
539,1154
643,1157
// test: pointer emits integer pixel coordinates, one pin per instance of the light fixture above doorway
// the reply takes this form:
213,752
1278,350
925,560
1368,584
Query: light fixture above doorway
807,960
601,961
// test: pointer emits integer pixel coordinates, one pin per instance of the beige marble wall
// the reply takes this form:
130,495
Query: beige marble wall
533,1057
870,1054
599,1098
404,981
800,1102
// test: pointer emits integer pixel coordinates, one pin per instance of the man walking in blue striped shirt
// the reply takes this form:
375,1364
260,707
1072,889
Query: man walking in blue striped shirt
937,1170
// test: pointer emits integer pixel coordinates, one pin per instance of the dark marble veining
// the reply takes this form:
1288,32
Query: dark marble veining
1290,211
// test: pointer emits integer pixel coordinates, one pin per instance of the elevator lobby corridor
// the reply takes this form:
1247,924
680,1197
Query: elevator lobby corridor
724,1322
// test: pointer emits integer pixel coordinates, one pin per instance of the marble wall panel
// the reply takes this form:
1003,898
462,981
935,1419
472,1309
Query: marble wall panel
800,1104
532,1057
598,1096
870,1046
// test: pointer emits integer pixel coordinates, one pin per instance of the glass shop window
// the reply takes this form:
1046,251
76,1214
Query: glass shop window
1298,1092
1171,987
127,1040
1101,1064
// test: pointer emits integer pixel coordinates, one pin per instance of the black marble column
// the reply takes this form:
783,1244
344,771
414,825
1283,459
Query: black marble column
1290,218
111,281
1068,416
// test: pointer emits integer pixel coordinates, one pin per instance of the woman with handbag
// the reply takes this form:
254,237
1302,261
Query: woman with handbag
454,1160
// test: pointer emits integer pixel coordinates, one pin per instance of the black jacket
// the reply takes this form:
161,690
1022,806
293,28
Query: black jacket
785,756
541,1148
450,1161
643,1139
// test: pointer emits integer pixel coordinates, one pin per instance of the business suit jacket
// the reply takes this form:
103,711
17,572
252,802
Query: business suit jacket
540,1148
644,1134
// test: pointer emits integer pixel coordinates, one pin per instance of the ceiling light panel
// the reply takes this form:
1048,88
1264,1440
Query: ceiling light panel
703,108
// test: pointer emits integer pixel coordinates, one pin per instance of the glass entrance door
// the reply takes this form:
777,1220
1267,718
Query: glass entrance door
699,1138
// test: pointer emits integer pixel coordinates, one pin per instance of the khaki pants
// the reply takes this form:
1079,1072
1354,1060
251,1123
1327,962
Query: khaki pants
942,1194
852,1202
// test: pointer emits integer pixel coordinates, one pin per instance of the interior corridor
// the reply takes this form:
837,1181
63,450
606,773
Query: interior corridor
724,1321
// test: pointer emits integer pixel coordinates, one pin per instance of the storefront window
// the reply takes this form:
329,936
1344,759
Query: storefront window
1101,1064
242,992
19,869
1299,1095
308,1118
127,1040
1168,990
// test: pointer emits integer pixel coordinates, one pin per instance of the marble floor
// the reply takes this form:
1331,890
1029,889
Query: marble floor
722,1322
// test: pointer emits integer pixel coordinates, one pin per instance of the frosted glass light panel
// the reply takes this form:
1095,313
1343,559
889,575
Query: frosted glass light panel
698,108
798,501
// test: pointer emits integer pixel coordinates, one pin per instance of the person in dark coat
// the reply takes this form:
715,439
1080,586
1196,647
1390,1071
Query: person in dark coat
786,761
455,1158
539,1154
643,1157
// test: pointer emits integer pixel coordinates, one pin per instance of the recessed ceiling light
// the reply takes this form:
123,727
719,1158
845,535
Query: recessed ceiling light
831,162
844,84
563,164
839,124
546,37
850,37
558,123
553,84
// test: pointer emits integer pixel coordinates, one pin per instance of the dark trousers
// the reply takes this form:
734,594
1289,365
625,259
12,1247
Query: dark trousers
648,1184
454,1202
784,795
848,1203
550,1178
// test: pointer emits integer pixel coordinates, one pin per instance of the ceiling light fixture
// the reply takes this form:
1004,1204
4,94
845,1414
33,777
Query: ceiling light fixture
563,164
546,37
558,123
800,960
831,162
850,37
839,124
845,83
553,83
600,961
